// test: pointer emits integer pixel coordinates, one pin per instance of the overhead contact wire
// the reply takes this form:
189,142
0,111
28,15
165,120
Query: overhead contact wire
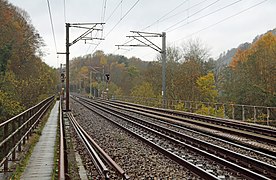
51,20
213,12
229,17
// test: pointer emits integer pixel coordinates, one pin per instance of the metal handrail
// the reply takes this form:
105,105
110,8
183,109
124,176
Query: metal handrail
24,112
61,167
14,136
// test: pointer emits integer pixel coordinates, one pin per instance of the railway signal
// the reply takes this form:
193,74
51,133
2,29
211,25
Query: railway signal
62,77
87,35
107,77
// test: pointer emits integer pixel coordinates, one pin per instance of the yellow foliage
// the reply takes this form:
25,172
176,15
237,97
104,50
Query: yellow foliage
266,44
103,60
207,88
143,90
8,107
179,106
210,111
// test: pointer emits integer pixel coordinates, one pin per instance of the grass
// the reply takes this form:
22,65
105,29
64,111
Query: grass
29,146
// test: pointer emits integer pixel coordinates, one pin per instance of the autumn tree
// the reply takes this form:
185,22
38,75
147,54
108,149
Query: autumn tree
251,76
207,88
24,78
143,90
193,65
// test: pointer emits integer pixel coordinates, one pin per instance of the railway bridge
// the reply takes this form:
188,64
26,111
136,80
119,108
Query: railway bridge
116,139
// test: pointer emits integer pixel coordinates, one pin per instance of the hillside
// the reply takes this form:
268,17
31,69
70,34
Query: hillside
225,58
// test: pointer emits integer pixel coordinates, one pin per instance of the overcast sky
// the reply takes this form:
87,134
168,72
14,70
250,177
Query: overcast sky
219,24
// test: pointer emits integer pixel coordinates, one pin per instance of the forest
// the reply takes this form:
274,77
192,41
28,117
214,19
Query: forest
25,79
249,78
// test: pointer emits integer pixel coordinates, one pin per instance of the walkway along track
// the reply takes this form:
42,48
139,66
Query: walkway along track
260,134
188,151
17,130
99,157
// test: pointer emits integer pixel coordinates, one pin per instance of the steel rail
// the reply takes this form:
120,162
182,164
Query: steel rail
101,167
236,157
62,154
97,152
174,157
226,154
269,155
247,173
265,130
148,111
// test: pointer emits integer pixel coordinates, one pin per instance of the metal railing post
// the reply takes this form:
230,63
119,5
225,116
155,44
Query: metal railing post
255,114
243,113
13,140
267,116
233,111
20,122
5,146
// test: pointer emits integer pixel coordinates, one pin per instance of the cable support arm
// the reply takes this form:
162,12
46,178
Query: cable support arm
159,49
141,32
82,37
156,48
144,44
91,38
131,45
83,24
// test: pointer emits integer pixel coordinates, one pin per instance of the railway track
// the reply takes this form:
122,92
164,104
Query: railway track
258,129
102,161
204,158
262,138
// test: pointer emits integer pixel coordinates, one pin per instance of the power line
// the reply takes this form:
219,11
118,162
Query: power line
122,18
102,20
204,16
114,10
183,10
229,17
53,32
103,10
64,11
192,15
117,23
165,15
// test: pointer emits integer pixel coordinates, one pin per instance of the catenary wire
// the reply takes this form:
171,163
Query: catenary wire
229,17
158,20
64,11
122,18
103,10
195,5
52,25
164,18
117,24
206,15
114,10
192,14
